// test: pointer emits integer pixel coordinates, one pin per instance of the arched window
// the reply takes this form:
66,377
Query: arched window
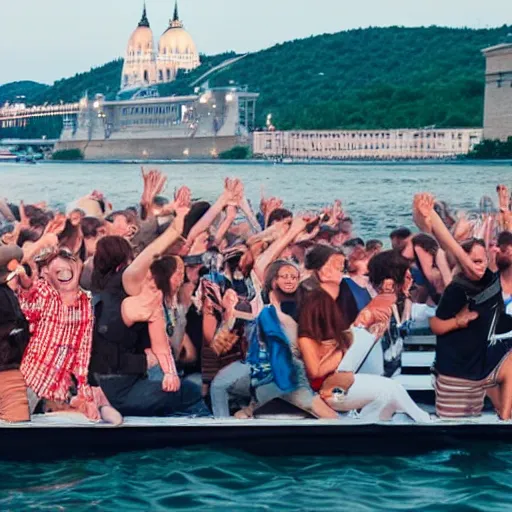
160,75
168,74
125,79
165,51
146,76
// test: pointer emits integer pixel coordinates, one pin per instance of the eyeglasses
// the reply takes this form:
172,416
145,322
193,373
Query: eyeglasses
291,277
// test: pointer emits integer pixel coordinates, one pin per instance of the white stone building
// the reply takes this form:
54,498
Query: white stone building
366,144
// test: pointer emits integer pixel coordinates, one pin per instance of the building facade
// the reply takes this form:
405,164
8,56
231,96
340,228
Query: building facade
498,92
366,144
152,127
144,66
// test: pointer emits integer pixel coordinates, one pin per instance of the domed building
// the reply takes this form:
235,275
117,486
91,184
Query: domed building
139,69
176,50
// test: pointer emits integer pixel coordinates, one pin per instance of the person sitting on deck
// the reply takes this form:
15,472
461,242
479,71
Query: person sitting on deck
14,336
58,353
129,320
470,362
325,345
275,368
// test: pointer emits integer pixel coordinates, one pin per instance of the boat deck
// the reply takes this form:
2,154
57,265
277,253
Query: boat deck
272,433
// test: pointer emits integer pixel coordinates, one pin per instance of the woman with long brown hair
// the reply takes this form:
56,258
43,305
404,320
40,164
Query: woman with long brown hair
325,347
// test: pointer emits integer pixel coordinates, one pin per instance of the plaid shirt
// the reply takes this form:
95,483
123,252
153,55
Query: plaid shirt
60,345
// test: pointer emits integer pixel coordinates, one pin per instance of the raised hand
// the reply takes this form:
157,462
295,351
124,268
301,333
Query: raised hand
56,225
336,214
423,208
182,198
463,229
503,198
154,182
233,191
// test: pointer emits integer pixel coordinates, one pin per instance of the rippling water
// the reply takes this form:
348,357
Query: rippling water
207,479
379,198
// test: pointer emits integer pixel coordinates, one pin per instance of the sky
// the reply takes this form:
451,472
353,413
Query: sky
45,40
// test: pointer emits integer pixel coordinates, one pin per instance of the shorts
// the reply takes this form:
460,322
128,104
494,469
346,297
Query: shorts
461,398
13,397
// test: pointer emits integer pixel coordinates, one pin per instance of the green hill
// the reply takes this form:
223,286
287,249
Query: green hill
16,90
364,78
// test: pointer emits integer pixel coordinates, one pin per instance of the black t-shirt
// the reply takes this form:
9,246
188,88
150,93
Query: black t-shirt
14,330
467,353
345,301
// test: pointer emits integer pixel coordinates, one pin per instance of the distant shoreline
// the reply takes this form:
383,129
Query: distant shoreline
281,164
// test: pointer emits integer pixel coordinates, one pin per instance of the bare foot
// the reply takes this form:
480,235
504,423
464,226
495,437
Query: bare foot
111,415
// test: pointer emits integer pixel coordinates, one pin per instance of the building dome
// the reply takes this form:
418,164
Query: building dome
139,67
178,41
176,50
141,41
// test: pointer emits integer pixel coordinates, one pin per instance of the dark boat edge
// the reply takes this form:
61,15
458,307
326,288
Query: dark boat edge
53,443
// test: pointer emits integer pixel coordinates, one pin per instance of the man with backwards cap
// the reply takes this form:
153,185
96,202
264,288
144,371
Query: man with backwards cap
14,336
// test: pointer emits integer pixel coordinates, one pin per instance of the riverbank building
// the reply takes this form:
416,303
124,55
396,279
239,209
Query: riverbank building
498,92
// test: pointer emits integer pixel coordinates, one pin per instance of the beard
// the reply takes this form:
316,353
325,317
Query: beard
503,263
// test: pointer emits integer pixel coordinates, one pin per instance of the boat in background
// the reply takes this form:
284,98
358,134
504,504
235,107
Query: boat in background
6,155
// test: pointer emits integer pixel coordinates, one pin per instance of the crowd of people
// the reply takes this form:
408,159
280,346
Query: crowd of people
181,307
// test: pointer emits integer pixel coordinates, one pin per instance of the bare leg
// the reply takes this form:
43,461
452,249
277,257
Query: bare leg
495,396
322,410
505,381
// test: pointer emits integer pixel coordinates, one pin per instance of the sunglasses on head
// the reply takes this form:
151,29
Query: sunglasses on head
46,256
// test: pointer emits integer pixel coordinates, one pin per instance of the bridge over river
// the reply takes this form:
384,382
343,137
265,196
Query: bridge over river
42,124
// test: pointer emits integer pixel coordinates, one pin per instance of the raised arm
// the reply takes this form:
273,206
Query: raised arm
425,216
153,182
277,247
249,215
229,196
133,276
444,267
49,238
225,224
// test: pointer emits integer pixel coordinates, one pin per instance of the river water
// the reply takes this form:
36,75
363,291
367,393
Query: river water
378,197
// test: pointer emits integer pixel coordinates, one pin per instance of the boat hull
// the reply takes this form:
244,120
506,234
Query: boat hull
51,439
